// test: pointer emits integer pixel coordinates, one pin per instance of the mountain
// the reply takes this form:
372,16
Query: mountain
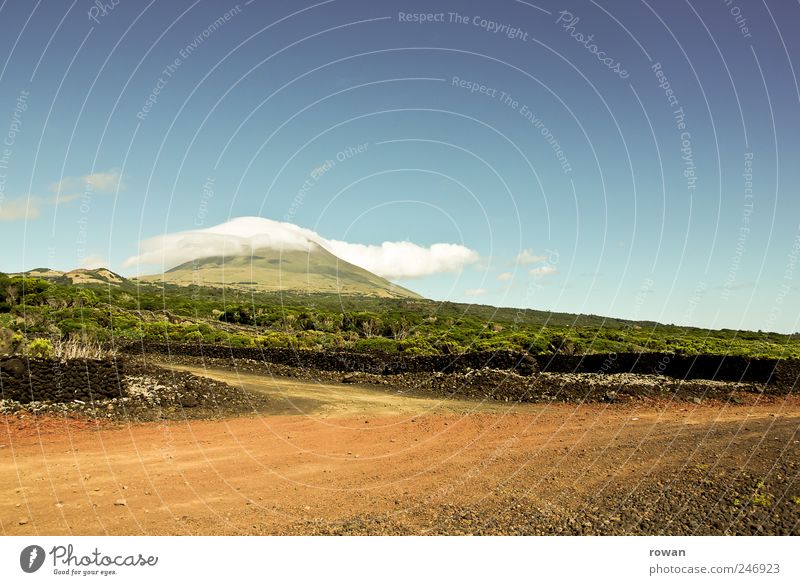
268,270
101,276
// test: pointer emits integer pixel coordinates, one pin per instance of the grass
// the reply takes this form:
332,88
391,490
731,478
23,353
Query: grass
76,349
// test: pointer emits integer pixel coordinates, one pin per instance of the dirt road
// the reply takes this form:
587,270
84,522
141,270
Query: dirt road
323,400
349,460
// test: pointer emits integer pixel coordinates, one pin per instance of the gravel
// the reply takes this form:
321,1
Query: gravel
759,499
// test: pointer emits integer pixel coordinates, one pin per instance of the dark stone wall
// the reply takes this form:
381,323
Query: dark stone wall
27,380
343,361
787,375
781,375
693,367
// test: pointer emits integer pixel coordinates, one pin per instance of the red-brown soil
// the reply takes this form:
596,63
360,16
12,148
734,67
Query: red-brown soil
363,461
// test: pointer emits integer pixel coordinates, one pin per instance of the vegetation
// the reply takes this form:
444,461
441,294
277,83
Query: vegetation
40,348
82,315
271,270
761,497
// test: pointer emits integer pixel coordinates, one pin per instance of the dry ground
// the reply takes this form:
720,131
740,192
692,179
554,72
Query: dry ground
343,459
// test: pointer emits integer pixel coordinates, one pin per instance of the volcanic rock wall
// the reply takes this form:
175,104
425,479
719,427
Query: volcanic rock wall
684,367
781,375
27,380
343,361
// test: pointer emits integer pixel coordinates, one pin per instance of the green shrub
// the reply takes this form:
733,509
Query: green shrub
239,340
417,346
376,344
193,337
40,348
273,339
238,315
156,330
447,347
215,336
125,322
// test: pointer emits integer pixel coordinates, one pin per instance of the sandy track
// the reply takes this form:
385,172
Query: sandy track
369,461
292,396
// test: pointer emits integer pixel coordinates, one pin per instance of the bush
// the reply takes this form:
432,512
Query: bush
448,347
193,337
40,348
239,340
156,330
237,315
122,321
277,339
308,340
493,345
376,344
417,346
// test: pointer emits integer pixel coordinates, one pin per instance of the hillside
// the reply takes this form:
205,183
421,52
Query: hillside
91,306
267,270
79,276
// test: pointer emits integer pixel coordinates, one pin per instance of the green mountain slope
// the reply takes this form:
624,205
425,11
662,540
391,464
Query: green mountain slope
266,270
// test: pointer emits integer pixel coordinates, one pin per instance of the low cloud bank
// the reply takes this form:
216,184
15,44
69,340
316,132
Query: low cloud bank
243,235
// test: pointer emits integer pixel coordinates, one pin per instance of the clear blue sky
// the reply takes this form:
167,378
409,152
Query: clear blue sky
620,202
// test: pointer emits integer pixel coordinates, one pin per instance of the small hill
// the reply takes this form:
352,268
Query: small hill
268,270
98,276
45,273
79,276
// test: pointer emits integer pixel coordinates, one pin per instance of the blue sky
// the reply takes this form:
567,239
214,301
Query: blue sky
560,162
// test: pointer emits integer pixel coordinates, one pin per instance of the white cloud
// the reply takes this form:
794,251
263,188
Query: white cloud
528,257
66,190
240,236
93,261
404,259
504,276
101,183
542,271
19,208
476,292
105,182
